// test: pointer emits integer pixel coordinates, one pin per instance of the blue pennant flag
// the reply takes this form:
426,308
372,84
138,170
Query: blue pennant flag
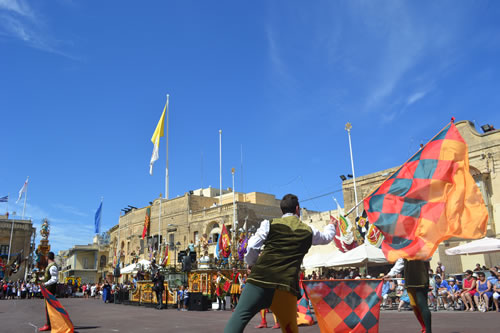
4,199
98,219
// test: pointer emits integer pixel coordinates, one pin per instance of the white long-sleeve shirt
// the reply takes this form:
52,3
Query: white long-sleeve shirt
397,268
256,241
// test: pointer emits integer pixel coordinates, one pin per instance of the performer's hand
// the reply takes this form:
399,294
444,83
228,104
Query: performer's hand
387,277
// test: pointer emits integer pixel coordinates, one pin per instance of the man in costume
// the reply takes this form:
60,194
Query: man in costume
50,283
158,280
235,287
220,292
274,280
416,275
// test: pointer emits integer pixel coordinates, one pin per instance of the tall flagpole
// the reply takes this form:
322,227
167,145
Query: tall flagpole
348,127
220,167
159,229
26,195
10,241
234,214
166,170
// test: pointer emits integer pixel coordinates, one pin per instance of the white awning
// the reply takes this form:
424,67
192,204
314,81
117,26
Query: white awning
484,245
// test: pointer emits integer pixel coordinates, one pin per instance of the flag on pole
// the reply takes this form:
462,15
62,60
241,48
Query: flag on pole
23,190
4,199
224,242
97,219
166,257
147,220
158,133
429,199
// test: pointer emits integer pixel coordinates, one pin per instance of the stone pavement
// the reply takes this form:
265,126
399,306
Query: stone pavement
93,316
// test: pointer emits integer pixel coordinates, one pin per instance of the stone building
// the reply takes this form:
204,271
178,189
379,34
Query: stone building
87,262
22,239
185,220
484,161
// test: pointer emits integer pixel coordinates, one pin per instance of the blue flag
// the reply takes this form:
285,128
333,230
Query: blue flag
4,199
98,219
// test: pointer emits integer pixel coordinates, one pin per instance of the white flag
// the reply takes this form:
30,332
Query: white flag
23,190
156,139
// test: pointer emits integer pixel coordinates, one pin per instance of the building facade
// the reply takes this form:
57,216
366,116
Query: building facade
23,234
185,220
484,161
88,263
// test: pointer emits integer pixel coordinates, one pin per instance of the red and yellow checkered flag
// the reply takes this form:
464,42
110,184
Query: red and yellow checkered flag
429,199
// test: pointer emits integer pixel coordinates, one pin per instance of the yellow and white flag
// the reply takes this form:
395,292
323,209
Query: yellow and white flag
156,139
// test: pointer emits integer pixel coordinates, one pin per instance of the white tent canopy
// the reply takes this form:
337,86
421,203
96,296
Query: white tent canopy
318,259
363,255
483,245
132,268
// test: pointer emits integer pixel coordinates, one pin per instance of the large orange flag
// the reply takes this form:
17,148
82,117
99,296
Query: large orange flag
59,318
429,199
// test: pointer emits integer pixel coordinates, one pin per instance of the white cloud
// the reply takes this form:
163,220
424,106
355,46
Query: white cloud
70,209
19,21
415,97
19,7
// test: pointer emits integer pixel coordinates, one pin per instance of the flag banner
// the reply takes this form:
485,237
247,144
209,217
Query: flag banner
59,318
224,242
429,199
4,199
242,248
166,258
147,219
227,286
22,190
97,219
346,305
158,133
343,240
304,315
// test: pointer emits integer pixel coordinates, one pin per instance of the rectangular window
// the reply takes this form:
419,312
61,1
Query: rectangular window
196,237
4,249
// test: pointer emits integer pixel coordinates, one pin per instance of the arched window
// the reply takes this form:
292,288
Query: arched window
102,261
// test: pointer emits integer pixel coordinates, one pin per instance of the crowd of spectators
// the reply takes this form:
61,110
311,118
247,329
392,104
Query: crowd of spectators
477,290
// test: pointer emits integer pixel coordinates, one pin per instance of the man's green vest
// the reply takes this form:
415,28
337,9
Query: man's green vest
47,272
278,266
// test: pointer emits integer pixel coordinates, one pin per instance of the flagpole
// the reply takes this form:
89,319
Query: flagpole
234,215
348,127
10,241
159,230
220,167
25,195
166,170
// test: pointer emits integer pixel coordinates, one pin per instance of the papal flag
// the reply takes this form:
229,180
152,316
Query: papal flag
158,133
428,200
59,318
23,190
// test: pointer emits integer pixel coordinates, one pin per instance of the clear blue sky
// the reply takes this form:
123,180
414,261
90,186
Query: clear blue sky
83,84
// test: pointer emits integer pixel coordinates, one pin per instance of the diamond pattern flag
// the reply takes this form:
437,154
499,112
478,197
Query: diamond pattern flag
346,305
429,199
304,315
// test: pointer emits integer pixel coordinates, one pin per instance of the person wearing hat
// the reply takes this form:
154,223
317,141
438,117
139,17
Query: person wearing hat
453,294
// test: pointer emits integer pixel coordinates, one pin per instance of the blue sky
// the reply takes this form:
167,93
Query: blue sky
83,84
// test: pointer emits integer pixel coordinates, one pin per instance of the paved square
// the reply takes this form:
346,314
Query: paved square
93,316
